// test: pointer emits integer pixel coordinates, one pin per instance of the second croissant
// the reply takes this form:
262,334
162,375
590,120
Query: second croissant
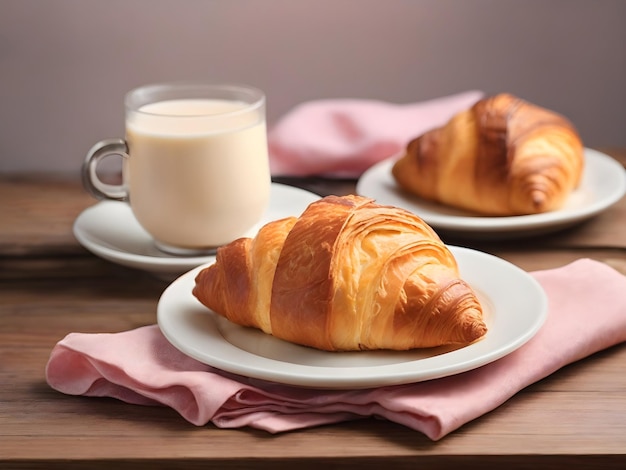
502,157
348,274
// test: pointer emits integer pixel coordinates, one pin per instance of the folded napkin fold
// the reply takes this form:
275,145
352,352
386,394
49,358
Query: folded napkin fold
587,313
344,137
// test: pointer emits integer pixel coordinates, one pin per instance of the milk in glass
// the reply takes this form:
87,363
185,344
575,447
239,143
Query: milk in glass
198,172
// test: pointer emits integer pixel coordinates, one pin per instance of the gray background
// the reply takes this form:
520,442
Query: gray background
66,64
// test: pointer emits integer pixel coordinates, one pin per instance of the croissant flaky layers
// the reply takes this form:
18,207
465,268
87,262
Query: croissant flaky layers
504,156
348,274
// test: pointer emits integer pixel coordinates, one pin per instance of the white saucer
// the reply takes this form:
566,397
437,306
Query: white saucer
109,230
603,184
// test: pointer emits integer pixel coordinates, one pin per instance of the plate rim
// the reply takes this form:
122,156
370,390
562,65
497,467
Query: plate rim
505,224
125,257
347,377
165,263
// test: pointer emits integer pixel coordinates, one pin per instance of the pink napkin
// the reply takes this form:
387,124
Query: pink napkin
344,137
587,313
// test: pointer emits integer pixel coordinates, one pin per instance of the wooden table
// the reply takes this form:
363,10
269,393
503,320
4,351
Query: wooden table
50,286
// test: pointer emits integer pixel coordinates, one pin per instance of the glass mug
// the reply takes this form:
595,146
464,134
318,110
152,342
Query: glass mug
195,164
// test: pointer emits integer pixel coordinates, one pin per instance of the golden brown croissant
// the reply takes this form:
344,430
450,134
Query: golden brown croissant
348,274
503,156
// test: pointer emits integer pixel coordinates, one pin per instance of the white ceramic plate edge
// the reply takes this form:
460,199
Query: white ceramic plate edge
134,260
295,201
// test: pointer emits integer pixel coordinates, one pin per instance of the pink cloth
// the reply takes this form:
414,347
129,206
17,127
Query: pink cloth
344,137
587,313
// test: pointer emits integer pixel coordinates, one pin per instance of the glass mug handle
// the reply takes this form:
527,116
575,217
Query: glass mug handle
92,183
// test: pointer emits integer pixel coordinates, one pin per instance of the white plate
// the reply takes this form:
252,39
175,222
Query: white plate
109,229
603,184
514,302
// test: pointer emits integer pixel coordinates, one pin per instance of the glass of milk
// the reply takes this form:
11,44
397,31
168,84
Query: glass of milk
195,164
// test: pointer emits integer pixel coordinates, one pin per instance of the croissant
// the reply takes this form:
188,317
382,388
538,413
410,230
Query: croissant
504,156
347,275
